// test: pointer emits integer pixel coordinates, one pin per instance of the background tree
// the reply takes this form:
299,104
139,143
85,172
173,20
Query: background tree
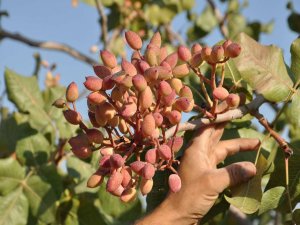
43,183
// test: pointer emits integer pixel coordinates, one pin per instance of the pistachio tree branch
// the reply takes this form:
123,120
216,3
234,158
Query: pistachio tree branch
221,19
172,35
49,45
103,22
115,34
223,117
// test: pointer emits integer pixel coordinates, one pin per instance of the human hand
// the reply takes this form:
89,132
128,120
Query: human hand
201,181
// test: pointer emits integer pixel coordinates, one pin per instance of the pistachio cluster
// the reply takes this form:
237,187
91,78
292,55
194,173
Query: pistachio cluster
135,103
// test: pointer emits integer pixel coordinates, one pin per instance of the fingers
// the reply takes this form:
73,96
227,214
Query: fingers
233,174
209,133
219,129
204,133
231,147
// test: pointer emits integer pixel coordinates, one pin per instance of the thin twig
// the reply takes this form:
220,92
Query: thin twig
109,132
199,74
282,143
116,33
221,19
103,22
226,116
286,162
222,76
50,45
213,86
202,80
172,35
60,151
37,67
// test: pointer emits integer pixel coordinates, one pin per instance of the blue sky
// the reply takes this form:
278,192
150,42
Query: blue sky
56,20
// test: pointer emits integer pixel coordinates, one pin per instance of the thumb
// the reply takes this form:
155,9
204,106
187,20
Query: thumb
234,174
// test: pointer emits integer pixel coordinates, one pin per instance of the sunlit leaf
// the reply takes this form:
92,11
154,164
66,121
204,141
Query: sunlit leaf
11,175
263,68
236,24
187,4
14,208
247,196
270,199
65,129
292,115
206,21
25,93
157,15
295,59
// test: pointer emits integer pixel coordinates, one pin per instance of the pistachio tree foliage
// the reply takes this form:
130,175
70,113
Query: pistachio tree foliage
60,167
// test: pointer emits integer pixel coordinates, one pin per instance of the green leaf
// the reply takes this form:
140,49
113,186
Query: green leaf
277,178
41,198
232,74
14,208
267,144
296,216
12,129
206,21
292,115
24,92
159,191
192,80
119,212
88,210
270,199
11,175
33,150
247,197
118,47
49,173
263,68
114,18
294,22
256,28
236,24
233,6
220,207
80,171
187,4
82,211
159,14
65,129
295,59
49,96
